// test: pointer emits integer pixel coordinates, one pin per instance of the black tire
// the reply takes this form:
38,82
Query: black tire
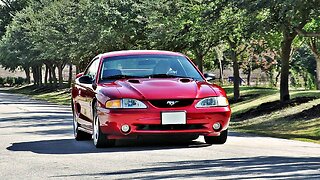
217,139
100,140
78,134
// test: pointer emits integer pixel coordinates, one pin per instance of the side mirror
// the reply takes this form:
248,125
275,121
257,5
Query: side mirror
79,75
209,76
85,79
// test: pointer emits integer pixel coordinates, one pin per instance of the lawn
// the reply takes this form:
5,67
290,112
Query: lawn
46,93
263,114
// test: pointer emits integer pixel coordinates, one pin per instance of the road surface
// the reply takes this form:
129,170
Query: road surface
36,142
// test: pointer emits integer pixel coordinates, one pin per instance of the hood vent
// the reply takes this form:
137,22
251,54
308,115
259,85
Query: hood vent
185,80
136,81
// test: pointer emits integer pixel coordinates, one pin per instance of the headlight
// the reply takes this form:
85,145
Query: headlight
125,103
212,102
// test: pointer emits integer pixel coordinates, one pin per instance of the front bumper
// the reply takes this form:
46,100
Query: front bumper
148,121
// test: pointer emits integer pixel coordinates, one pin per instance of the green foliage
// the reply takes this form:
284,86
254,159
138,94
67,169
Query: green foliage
303,67
8,8
11,81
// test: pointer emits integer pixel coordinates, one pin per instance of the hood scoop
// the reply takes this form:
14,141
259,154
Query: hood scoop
185,80
136,81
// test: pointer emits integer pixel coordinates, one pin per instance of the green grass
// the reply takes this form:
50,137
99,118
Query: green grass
46,93
58,97
292,122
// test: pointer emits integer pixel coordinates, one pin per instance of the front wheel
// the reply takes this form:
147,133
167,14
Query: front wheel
100,140
217,139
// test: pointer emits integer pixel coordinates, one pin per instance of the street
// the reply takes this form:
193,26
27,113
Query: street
36,142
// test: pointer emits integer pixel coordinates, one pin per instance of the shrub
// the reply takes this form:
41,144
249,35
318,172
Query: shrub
19,81
9,81
1,81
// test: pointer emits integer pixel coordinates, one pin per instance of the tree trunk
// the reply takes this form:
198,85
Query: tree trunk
285,66
249,77
277,79
54,77
199,61
27,71
220,72
60,69
236,76
70,75
249,72
60,76
236,73
46,75
220,58
50,75
35,75
40,74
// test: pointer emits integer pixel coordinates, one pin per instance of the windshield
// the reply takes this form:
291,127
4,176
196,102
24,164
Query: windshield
148,66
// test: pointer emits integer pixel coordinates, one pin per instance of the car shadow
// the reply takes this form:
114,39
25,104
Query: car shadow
71,146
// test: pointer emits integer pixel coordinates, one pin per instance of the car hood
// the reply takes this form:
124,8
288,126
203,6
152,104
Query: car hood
168,88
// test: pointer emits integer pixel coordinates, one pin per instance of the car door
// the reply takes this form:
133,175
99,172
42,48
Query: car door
87,93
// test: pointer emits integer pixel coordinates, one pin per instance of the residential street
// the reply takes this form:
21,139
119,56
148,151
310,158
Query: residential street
36,142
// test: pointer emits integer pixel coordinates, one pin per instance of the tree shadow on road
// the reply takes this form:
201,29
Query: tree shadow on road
260,167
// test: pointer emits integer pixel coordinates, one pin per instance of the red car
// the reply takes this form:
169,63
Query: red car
127,94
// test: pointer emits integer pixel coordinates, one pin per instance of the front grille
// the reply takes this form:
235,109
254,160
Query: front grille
171,103
170,127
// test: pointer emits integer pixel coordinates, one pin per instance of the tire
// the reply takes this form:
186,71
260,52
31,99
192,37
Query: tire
100,140
78,134
217,139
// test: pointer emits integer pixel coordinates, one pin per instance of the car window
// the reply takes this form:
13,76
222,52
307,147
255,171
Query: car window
148,66
92,69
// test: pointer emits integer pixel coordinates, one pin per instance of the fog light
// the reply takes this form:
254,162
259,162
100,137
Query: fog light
216,126
125,128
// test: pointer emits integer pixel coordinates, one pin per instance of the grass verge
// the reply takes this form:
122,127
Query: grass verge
46,93
298,119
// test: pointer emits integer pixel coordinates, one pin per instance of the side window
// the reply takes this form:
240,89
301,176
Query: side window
93,68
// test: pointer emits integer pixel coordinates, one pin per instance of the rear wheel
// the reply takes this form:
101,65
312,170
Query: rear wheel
217,139
100,140
78,134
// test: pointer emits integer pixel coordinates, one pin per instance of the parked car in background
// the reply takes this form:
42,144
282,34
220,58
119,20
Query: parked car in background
127,94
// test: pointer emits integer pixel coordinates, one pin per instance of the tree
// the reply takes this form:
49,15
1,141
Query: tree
16,47
236,27
287,17
8,8
178,26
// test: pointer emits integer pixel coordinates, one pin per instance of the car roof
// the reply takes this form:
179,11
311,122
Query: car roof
138,52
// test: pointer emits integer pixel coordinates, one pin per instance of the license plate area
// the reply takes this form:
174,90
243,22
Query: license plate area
176,117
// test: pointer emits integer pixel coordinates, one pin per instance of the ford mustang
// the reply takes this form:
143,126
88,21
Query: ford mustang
127,94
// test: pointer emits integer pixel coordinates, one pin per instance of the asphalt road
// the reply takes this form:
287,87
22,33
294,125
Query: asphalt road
36,142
